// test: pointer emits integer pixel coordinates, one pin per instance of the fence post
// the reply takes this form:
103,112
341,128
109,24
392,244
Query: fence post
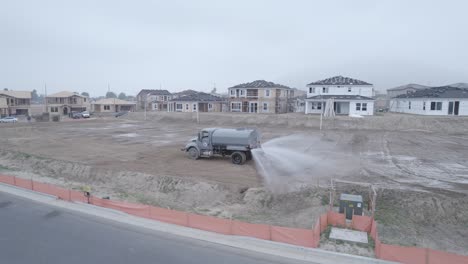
427,255
32,185
14,180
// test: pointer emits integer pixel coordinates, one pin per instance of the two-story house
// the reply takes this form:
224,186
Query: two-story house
18,102
155,100
66,102
197,102
259,97
350,96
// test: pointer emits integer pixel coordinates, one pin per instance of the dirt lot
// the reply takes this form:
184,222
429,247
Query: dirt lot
418,163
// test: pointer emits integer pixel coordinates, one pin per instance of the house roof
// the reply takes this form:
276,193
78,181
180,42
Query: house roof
260,84
408,86
185,92
438,92
113,101
3,103
64,94
340,80
199,97
154,92
17,94
340,97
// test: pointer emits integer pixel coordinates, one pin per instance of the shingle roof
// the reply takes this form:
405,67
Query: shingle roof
64,94
17,94
199,97
112,101
154,92
340,80
3,103
260,84
438,92
341,97
408,86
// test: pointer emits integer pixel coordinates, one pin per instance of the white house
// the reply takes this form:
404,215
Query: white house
445,100
351,96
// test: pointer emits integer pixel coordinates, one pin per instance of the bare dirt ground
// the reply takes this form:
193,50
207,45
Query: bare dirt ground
419,165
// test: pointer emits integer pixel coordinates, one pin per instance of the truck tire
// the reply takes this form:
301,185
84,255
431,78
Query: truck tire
193,153
238,158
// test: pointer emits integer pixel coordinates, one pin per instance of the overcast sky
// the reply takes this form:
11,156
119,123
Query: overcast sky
84,45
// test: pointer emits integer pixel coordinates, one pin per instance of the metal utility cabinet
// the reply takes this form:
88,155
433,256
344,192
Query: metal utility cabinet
351,204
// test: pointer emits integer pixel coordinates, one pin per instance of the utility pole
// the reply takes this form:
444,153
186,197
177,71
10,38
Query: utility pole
45,97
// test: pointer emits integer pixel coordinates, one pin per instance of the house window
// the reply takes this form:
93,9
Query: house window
232,92
409,105
349,89
186,107
195,107
236,107
106,107
210,106
424,105
325,90
267,93
54,109
358,106
364,107
312,90
241,92
265,107
436,106
179,107
84,99
319,106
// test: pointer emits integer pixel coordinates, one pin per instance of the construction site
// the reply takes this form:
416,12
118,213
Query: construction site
417,165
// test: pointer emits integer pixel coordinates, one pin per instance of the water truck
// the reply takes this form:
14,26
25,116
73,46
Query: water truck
235,143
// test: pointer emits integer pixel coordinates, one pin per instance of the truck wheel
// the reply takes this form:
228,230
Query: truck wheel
238,158
193,153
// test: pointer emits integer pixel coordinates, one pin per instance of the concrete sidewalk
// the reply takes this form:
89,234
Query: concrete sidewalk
246,243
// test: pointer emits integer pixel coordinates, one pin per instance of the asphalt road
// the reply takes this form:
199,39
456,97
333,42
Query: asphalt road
32,232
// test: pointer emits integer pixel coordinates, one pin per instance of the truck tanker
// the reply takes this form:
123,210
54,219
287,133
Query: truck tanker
236,143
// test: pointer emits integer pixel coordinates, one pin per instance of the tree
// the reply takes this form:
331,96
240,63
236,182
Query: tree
214,90
122,96
5,89
34,96
111,95
85,94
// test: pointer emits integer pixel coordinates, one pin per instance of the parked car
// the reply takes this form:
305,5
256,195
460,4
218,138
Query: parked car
85,114
76,115
121,113
9,119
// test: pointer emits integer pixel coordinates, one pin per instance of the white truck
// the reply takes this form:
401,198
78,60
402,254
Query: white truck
236,143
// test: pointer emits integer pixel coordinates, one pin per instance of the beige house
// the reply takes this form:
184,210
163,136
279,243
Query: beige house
260,97
18,102
112,105
66,102
197,102
155,100
3,107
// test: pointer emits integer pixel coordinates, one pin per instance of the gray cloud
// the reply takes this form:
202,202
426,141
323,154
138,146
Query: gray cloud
83,45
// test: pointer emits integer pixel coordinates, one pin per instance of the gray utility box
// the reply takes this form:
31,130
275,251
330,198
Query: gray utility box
350,205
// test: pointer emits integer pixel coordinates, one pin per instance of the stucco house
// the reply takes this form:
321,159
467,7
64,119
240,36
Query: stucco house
350,96
445,101
155,100
112,105
260,97
3,107
65,102
18,102
197,102
405,89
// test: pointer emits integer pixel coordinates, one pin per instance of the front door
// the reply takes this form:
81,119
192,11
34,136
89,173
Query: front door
349,213
253,107
453,107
